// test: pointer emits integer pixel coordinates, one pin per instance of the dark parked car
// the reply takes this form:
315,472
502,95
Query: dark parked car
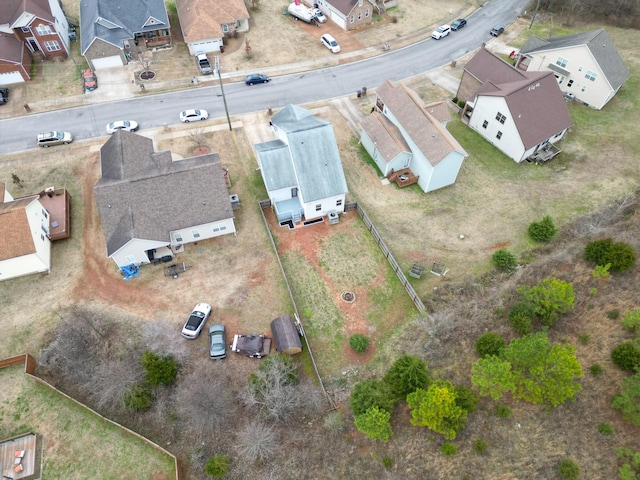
193,326
90,80
217,342
497,30
4,95
256,78
458,24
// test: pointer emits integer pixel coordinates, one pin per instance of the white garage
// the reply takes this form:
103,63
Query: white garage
208,46
10,77
107,62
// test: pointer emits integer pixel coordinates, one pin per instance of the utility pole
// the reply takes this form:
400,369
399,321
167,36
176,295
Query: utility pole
224,99
533,17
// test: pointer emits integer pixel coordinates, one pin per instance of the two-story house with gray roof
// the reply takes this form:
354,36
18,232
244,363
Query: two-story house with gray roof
108,28
151,206
301,168
586,65
408,140
523,114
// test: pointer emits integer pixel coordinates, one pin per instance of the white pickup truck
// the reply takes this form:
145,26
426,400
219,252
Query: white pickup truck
203,63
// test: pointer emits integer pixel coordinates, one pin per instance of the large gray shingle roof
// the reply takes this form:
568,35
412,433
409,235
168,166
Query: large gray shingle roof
116,20
147,195
599,44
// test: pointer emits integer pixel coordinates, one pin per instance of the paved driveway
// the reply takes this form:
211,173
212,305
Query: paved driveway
113,84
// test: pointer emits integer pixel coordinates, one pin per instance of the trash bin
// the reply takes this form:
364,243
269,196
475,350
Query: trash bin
221,48
364,91
359,93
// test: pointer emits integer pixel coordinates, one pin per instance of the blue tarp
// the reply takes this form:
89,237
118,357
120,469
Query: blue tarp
129,271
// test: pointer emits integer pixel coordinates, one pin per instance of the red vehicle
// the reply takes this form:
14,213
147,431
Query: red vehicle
90,80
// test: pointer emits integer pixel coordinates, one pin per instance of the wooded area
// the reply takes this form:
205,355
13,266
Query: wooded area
621,13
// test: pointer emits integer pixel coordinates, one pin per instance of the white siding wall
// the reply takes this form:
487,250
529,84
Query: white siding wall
281,194
329,204
580,61
486,108
134,251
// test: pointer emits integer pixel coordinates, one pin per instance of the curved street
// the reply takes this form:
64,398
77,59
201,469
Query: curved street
157,110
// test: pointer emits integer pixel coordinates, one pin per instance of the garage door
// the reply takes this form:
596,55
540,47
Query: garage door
11,77
106,62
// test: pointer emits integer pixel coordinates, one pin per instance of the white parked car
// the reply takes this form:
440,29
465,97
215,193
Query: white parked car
441,31
330,42
128,125
194,324
193,115
320,17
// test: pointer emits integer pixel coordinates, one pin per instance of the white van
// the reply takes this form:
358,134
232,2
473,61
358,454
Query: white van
330,42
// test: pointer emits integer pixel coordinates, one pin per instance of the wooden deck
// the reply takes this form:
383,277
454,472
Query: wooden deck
58,204
403,178
14,467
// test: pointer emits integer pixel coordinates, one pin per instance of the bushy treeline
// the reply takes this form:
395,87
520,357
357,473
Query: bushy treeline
623,13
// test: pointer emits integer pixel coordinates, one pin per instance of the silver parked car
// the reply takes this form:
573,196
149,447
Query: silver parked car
217,342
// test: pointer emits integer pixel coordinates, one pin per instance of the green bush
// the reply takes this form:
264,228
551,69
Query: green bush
479,446
542,231
139,398
371,393
406,375
568,469
461,103
466,399
387,462
359,342
549,297
489,344
160,369
620,255
613,314
217,466
375,424
448,449
605,429
595,369
504,260
522,315
631,320
503,411
627,355
455,100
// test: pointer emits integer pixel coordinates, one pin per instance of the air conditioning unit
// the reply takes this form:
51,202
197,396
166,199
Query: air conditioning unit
235,201
333,218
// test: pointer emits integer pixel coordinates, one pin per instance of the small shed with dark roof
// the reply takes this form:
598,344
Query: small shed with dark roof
285,335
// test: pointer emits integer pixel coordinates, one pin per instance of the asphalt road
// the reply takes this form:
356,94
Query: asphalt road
89,121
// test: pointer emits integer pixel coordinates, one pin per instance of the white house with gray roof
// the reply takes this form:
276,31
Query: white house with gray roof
301,168
108,28
150,205
586,65
406,136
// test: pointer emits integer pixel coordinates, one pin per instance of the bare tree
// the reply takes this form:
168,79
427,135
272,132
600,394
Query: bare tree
204,404
197,137
161,337
257,441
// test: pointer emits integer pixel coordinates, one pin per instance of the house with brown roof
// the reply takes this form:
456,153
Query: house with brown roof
409,141
206,23
351,14
30,30
586,65
523,114
25,247
150,205
111,29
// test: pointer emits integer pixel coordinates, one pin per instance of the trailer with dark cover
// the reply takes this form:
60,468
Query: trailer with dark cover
286,335
252,345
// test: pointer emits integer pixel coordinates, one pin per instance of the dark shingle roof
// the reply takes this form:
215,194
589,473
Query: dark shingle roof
116,20
536,103
147,195
599,44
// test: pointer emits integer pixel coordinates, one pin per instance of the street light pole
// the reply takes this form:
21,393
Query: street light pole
224,99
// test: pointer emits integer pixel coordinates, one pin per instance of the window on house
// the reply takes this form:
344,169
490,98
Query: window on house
25,29
351,19
583,89
359,16
45,214
131,259
499,135
485,124
43,228
294,192
562,62
366,12
318,207
501,118
225,28
579,69
223,227
195,233
42,237
591,75
569,83
178,237
339,202
215,228
44,30
51,46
